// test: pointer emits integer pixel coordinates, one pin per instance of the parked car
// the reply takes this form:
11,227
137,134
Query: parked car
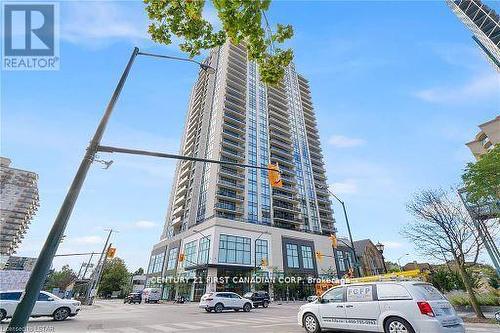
407,306
46,305
219,301
151,295
133,298
258,298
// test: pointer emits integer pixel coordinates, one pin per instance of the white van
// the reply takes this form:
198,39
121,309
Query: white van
151,295
406,307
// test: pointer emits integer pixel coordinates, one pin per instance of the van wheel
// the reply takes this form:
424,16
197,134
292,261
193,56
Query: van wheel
3,314
218,307
265,304
61,314
311,324
397,325
247,307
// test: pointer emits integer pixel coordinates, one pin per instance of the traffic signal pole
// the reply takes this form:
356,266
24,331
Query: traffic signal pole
44,261
97,271
110,149
46,256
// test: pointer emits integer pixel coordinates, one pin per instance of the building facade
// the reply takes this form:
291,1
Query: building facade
18,204
228,218
370,258
486,138
484,23
344,259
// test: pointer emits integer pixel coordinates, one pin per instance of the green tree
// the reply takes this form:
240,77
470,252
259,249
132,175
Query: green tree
392,267
482,178
140,271
60,279
243,21
115,276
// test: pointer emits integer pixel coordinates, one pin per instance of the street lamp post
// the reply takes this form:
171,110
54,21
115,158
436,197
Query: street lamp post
255,254
398,260
208,256
380,248
42,266
348,228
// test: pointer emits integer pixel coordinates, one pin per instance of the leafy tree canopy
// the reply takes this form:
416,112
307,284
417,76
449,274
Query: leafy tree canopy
115,276
482,178
60,279
241,21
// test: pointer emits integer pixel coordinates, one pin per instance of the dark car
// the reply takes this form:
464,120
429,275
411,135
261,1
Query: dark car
258,298
133,298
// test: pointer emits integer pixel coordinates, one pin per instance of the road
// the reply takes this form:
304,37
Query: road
114,316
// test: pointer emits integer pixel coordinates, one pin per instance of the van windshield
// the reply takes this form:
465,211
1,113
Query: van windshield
430,293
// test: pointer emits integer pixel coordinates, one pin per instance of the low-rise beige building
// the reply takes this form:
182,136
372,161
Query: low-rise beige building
486,139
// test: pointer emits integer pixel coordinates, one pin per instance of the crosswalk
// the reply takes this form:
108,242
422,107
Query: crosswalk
254,322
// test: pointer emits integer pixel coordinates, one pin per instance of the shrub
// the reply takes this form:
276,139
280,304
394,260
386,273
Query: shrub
460,298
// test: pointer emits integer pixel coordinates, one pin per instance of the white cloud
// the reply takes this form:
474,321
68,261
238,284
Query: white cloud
392,245
87,240
145,224
348,186
341,141
480,88
97,23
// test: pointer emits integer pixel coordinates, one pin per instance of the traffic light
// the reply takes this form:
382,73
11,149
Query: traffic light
274,175
263,262
181,257
319,255
334,241
111,252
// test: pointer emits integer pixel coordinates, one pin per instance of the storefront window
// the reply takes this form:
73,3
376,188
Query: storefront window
234,250
307,258
204,249
340,259
292,256
172,258
260,251
190,254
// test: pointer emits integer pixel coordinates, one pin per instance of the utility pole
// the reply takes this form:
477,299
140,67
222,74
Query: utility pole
89,295
80,270
87,265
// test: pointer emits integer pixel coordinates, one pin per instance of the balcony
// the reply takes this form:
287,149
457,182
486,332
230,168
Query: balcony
281,135
220,206
234,117
231,173
285,207
281,160
232,135
232,155
230,196
233,144
231,184
284,196
234,128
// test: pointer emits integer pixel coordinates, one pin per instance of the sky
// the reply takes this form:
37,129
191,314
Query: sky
398,89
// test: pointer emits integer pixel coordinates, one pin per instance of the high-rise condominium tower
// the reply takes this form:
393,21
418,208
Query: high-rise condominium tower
484,23
227,219
18,204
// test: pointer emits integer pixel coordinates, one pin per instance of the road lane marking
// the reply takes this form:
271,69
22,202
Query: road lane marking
188,326
270,325
162,328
